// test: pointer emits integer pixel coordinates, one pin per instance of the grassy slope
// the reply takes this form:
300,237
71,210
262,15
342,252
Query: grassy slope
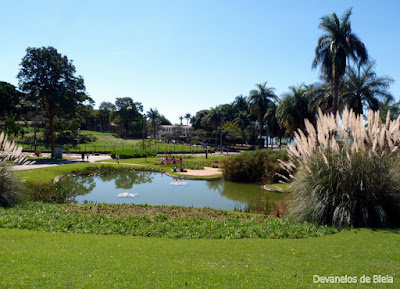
49,260
108,141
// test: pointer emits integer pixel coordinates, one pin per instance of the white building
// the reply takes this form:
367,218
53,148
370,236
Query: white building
171,129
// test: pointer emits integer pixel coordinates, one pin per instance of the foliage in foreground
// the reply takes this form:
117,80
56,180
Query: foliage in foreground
32,259
55,218
259,166
347,175
10,189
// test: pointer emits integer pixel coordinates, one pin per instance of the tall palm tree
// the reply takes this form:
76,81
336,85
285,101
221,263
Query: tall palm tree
215,119
363,88
240,103
389,105
242,120
155,122
188,116
181,118
272,123
293,108
258,102
335,47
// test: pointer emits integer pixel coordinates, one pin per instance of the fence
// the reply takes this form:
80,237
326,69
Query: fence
93,148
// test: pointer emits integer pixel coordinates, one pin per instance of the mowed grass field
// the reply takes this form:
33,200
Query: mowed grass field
31,259
106,142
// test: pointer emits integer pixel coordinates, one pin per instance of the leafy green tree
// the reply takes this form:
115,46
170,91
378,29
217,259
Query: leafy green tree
155,122
243,121
232,132
389,105
293,109
197,120
105,111
48,78
127,112
258,102
362,87
335,47
164,120
240,103
10,99
215,120
11,108
274,128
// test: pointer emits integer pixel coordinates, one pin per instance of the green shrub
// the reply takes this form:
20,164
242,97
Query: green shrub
133,154
48,193
259,166
11,191
347,175
118,220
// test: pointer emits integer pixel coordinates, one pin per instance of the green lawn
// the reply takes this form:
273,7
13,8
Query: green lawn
101,141
31,259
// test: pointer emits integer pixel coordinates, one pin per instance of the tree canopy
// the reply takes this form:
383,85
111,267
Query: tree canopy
335,47
48,78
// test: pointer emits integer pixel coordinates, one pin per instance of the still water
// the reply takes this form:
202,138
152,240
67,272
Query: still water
159,189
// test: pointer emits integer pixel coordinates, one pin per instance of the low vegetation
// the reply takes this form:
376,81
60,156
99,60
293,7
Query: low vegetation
11,191
347,174
133,154
94,219
260,166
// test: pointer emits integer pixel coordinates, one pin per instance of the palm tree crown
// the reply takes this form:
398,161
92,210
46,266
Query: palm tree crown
362,87
294,108
258,102
335,47
188,117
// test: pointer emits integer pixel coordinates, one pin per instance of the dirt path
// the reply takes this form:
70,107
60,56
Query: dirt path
206,172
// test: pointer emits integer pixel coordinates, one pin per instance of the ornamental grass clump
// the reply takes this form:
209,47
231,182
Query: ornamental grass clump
347,171
10,188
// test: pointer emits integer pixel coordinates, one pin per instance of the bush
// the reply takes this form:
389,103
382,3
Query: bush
133,154
11,191
347,175
10,188
48,193
260,166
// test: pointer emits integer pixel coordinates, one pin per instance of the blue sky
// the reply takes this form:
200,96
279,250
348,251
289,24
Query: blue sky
184,56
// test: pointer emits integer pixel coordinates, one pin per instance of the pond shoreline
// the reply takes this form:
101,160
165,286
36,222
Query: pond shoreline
186,177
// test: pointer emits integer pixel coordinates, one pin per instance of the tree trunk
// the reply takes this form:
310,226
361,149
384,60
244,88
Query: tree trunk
220,135
260,134
52,113
335,94
266,135
358,105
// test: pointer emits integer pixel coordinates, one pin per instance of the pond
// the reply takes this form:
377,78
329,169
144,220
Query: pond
140,187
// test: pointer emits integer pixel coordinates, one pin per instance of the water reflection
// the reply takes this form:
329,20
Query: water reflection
156,189
79,185
251,194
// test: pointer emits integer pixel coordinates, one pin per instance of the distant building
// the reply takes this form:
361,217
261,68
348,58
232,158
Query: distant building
173,129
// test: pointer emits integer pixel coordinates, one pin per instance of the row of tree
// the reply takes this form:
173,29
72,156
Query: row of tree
347,80
49,88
